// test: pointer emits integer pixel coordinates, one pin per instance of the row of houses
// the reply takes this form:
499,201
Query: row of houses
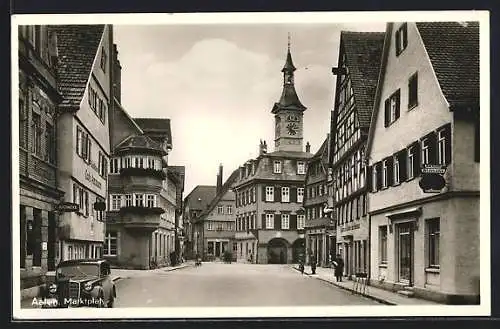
94,182
406,103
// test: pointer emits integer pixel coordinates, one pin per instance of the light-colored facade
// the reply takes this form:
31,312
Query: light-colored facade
218,221
38,165
320,233
83,135
426,243
267,188
354,96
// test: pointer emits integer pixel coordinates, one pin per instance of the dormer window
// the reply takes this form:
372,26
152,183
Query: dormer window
277,167
301,168
401,37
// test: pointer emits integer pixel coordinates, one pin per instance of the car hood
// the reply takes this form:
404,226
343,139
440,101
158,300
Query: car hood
79,279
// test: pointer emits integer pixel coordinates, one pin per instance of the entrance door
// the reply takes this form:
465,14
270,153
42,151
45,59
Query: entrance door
51,244
217,249
405,244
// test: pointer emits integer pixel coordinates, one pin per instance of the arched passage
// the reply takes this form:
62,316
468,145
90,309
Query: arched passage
277,251
298,250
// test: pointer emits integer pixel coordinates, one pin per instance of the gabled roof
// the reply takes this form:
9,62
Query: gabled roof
224,189
322,149
200,197
139,142
453,49
77,47
156,126
363,52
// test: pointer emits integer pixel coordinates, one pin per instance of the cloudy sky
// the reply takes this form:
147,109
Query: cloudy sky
218,84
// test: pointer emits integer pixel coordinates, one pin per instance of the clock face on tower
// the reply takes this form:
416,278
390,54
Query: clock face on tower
292,128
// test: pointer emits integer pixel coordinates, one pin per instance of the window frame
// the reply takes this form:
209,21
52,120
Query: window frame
269,193
285,221
383,244
270,221
433,242
413,91
301,222
301,168
300,194
285,194
441,146
108,239
410,162
277,167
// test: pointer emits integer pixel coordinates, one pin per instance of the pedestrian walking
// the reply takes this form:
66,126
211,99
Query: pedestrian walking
338,264
313,264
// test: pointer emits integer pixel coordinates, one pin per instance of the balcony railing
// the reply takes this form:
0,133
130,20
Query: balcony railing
142,210
143,172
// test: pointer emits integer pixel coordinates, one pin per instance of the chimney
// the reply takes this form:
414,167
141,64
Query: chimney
219,180
117,74
308,147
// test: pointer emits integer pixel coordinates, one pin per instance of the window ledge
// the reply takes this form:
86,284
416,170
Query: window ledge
432,270
382,265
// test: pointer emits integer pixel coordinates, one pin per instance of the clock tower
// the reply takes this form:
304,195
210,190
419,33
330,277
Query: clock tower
288,112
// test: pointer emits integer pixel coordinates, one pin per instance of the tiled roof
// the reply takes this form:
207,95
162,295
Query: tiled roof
155,125
363,52
139,142
289,100
288,63
200,197
322,149
453,49
289,154
77,47
224,189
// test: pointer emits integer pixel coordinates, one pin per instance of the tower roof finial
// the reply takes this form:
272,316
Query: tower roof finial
289,41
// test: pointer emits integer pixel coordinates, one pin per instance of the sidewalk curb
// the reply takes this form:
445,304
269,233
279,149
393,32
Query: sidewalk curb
377,299
178,268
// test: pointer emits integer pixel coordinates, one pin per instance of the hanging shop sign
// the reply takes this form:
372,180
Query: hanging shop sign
432,180
68,207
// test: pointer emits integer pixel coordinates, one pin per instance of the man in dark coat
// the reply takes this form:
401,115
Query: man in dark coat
339,267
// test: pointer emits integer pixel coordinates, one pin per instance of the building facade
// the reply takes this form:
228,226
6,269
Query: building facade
194,204
218,220
83,134
38,163
267,188
357,73
418,238
319,218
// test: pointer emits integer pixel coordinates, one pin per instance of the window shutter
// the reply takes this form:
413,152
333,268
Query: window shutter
263,193
387,112
433,150
293,222
369,178
447,148
398,42
379,175
405,35
277,221
277,194
403,174
416,161
293,194
398,102
263,221
390,171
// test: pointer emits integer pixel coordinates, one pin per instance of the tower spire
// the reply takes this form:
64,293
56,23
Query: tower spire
288,41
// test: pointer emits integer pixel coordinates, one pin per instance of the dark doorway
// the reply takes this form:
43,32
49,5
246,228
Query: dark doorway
405,252
51,244
22,231
37,234
277,251
298,250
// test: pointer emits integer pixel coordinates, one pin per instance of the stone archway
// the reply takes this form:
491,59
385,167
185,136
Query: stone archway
277,251
298,250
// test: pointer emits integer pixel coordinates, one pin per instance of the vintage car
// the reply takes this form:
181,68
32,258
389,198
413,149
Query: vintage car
80,283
